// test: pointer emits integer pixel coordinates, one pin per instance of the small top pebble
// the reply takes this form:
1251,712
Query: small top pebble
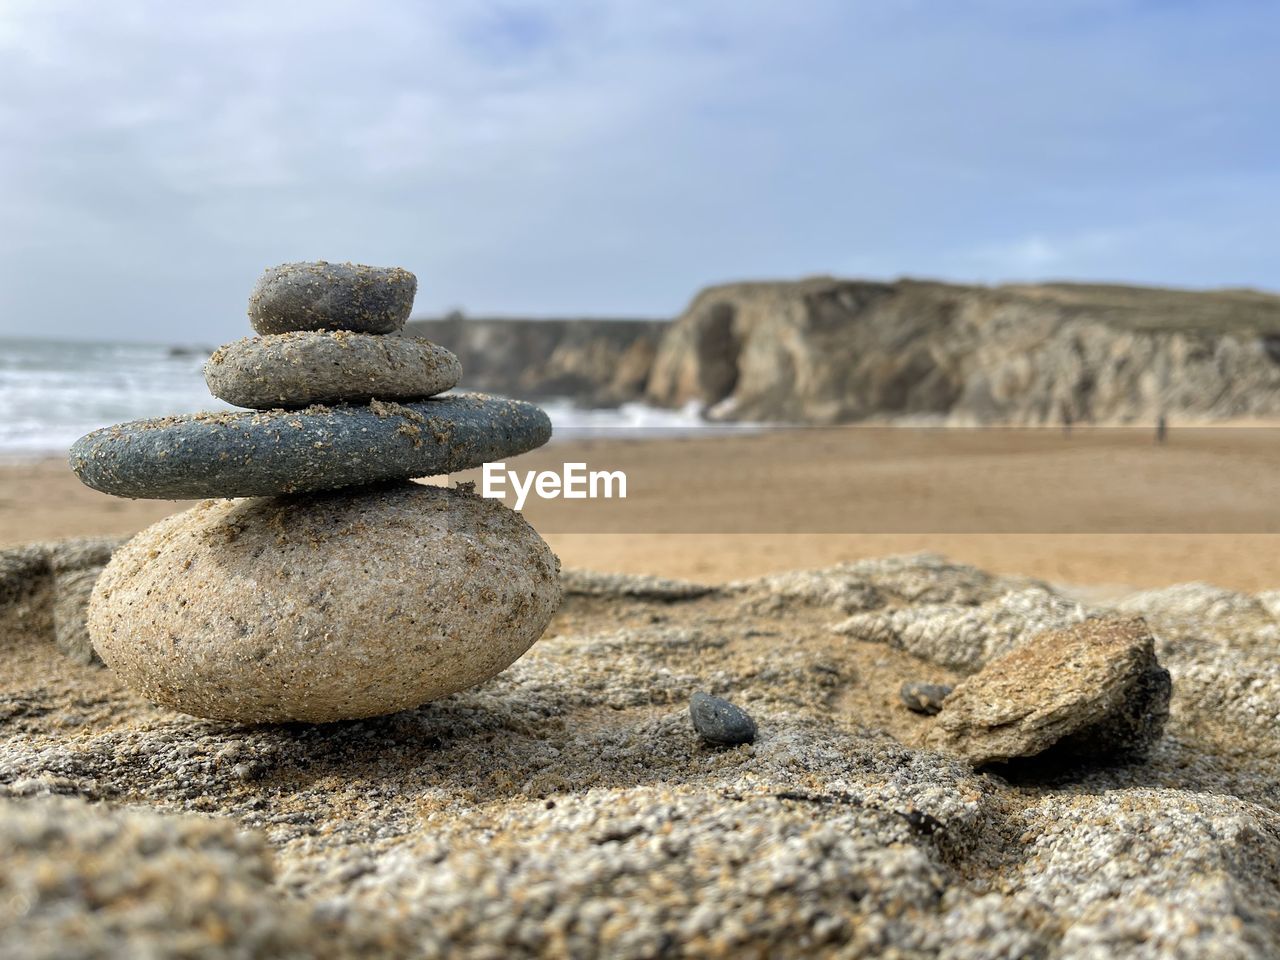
332,296
719,722
924,697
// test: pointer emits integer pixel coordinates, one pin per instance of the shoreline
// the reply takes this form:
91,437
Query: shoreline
721,508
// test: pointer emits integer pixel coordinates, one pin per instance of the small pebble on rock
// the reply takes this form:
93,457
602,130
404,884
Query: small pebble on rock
924,697
719,722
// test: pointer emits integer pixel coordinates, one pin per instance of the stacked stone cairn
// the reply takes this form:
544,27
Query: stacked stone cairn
317,583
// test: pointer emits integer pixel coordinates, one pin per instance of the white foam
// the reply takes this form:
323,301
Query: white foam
53,393
631,420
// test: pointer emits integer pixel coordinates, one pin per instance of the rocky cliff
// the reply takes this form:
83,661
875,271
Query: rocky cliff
824,350
830,351
595,362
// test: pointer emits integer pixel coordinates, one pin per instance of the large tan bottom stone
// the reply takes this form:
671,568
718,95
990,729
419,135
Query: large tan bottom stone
324,607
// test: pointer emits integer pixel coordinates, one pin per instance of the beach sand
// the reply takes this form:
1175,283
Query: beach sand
1105,509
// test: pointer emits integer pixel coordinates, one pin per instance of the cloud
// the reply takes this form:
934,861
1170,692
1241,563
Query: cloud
613,156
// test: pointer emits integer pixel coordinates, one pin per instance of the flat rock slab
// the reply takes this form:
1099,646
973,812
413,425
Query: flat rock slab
1094,690
264,453
332,296
305,367
565,807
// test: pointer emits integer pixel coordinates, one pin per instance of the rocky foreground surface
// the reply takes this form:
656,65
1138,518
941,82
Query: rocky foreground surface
567,808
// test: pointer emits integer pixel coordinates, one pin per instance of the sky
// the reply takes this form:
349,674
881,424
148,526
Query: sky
556,157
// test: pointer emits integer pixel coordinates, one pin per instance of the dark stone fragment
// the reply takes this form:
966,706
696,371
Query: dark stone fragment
719,722
924,697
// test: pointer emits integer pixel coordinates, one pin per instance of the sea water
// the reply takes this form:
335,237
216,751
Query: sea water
52,392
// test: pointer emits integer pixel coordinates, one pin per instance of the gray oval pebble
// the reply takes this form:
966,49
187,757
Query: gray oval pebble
263,453
719,722
305,367
332,296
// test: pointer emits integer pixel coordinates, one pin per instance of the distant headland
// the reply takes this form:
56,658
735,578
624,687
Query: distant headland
827,350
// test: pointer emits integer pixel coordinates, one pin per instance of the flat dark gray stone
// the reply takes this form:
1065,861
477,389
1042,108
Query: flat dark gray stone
269,452
332,296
